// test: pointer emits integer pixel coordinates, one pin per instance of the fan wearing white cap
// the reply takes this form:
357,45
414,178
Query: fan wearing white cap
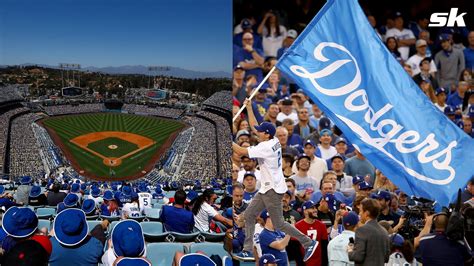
415,60
269,156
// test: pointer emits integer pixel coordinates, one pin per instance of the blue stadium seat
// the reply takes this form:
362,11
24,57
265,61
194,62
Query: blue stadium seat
213,237
92,224
152,214
45,213
179,237
209,248
196,259
158,205
162,254
111,226
138,219
44,223
226,261
153,231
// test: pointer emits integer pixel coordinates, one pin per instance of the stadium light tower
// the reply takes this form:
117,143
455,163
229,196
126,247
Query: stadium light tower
69,67
153,71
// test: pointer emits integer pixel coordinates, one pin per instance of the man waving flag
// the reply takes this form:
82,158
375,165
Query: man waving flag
342,65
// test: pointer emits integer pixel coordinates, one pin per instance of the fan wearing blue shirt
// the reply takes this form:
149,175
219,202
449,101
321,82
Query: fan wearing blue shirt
273,242
176,218
456,98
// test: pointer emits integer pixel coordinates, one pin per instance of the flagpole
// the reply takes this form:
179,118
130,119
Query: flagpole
253,93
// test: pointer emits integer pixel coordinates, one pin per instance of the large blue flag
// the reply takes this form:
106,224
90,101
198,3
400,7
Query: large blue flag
344,67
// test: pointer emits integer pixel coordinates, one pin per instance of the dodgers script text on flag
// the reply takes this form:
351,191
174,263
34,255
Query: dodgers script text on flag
344,67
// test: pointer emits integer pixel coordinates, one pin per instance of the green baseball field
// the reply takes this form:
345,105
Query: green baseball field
116,146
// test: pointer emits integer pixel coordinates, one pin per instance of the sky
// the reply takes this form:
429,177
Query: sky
194,35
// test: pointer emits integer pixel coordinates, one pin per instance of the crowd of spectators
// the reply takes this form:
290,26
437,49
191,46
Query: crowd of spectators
201,157
73,109
104,222
9,94
220,99
329,182
4,126
24,149
158,111
49,152
223,141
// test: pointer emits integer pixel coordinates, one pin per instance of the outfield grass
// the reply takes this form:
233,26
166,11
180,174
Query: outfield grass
71,126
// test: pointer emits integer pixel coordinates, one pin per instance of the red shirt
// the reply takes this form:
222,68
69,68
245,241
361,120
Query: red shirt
315,231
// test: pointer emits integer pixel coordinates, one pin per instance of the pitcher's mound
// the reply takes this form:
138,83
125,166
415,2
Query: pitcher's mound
112,147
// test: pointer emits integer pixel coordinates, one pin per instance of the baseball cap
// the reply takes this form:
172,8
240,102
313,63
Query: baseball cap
396,14
238,67
249,173
365,185
440,90
266,127
287,101
420,43
308,204
340,156
292,34
70,227
339,140
34,192
267,258
324,123
191,195
264,215
19,222
127,239
245,24
444,37
310,142
325,131
382,194
304,155
449,110
350,218
460,124
357,179
397,240
242,132
426,59
471,111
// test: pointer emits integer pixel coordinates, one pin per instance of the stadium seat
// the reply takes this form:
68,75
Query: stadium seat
196,259
209,248
179,237
226,261
152,214
110,218
153,231
92,224
44,223
213,237
162,254
45,213
158,205
111,226
138,219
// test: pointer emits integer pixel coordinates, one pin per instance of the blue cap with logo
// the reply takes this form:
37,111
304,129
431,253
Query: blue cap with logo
309,142
449,110
440,90
383,194
350,218
357,179
308,204
365,185
266,127
267,258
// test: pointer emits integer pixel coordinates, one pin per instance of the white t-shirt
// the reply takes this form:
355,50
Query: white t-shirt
327,154
240,177
404,34
204,216
414,62
256,239
439,107
98,201
281,116
144,198
272,43
317,168
268,154
131,210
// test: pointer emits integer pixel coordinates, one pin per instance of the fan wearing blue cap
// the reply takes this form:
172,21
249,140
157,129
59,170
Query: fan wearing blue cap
401,251
18,223
89,207
341,241
132,209
144,197
128,245
72,243
268,260
318,166
36,197
269,155
177,218
273,241
110,206
6,199
70,201
326,149
386,213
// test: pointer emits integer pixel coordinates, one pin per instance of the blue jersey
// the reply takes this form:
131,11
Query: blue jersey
248,196
266,237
